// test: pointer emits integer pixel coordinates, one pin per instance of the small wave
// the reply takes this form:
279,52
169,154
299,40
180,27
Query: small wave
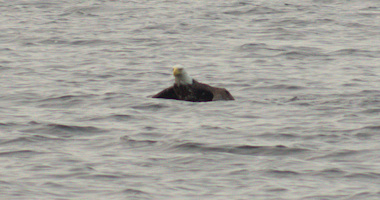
93,42
340,155
28,139
62,130
67,97
136,194
301,54
281,173
366,175
115,117
283,87
136,143
134,191
369,92
259,50
80,11
367,132
19,153
375,128
365,195
252,46
150,106
331,172
242,149
103,176
276,190
64,101
356,52
254,11
279,135
67,128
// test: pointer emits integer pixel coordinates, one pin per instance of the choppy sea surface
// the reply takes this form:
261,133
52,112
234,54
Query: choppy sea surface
77,120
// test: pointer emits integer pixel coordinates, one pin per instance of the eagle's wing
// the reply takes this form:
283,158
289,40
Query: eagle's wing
213,93
222,94
167,93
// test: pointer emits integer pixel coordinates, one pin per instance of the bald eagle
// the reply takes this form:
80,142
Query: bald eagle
187,89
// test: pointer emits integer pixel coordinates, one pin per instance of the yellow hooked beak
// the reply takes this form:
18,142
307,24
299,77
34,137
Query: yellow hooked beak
176,71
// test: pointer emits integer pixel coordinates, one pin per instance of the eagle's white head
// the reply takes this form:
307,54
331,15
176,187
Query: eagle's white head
181,76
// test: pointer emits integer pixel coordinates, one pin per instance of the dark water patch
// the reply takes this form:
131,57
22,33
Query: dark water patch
370,102
208,127
252,46
66,97
150,128
20,153
366,176
355,25
258,10
65,101
371,111
376,8
365,195
80,11
276,190
268,150
92,174
367,132
275,101
365,135
282,87
134,191
136,143
355,52
291,55
152,133
373,127
4,125
331,172
24,140
259,50
123,117
65,131
151,106
24,97
247,116
292,23
133,194
286,136
322,136
54,185
281,173
342,155
242,149
351,85
68,128
104,177
240,172
323,197
376,92
117,117
287,34
157,26
61,176
93,42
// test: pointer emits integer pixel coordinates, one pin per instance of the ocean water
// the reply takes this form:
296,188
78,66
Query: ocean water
77,120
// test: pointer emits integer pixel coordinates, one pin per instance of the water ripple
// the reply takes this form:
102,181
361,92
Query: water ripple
241,149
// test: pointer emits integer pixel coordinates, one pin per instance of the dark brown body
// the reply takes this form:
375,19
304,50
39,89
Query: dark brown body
196,92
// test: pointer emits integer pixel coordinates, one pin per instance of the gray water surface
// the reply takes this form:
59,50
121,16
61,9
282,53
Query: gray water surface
77,122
